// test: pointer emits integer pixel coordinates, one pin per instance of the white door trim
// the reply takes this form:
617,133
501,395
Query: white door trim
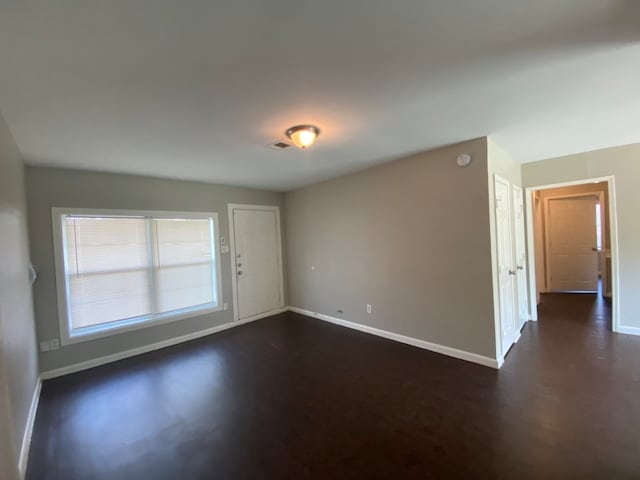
232,253
547,237
613,230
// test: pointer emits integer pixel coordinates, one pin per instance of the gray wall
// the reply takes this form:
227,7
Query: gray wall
18,359
48,187
410,237
623,163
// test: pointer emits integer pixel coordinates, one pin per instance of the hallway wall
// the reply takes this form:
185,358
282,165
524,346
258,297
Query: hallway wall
18,355
624,164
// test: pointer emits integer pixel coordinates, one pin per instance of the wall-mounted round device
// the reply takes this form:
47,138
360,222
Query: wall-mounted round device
463,160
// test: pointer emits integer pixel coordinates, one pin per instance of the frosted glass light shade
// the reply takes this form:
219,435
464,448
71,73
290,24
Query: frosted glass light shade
303,136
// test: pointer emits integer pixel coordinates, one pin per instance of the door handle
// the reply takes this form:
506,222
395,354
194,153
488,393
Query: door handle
595,249
512,272
520,267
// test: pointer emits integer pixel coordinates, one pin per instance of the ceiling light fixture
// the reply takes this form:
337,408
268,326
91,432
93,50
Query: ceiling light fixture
303,136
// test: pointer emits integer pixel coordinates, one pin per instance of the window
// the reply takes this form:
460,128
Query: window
123,270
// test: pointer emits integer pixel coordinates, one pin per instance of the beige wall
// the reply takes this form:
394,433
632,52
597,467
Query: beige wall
624,164
501,163
18,359
49,187
410,237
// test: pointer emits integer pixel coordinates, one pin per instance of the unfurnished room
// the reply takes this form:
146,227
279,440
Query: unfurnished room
276,239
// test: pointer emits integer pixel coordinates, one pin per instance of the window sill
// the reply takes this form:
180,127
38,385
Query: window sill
123,326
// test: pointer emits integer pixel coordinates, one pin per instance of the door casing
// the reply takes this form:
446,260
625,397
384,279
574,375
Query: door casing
613,246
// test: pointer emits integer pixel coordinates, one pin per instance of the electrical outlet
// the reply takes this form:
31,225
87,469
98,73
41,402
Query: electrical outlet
224,249
44,346
369,308
54,344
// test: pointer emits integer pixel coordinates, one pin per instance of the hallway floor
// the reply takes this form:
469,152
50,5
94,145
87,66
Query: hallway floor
289,397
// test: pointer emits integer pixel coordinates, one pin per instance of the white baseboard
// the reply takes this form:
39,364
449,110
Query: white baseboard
28,430
262,315
95,362
629,330
433,347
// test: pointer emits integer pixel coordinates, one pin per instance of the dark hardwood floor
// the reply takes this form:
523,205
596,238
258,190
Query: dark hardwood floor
290,397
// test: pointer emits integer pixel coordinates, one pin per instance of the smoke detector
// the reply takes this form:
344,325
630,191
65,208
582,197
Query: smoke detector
463,160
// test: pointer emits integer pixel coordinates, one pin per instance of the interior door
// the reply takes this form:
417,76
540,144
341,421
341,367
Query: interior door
573,261
506,269
257,259
520,256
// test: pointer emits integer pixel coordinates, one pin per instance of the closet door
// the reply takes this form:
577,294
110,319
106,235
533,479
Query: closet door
520,256
506,268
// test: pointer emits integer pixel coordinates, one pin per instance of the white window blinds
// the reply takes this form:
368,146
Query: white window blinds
183,259
121,269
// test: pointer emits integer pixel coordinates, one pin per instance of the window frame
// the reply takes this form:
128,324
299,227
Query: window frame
67,336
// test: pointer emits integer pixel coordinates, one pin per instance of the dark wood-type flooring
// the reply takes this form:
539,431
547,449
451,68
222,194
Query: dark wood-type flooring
290,397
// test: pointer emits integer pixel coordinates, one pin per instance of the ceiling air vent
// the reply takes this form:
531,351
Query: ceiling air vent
279,145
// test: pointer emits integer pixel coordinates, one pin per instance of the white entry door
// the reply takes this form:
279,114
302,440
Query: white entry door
571,243
506,269
257,259
521,256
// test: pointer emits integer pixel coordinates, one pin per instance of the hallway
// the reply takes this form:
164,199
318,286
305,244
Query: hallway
576,385
294,397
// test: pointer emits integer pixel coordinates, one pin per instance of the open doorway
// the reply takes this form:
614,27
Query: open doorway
572,242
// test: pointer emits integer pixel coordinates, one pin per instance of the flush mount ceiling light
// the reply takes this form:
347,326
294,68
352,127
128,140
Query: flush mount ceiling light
303,136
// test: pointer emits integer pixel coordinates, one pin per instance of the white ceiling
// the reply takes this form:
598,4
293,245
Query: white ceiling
194,89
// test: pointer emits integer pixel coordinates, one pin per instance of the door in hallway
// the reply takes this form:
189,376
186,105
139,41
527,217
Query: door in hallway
521,256
257,260
571,244
506,268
